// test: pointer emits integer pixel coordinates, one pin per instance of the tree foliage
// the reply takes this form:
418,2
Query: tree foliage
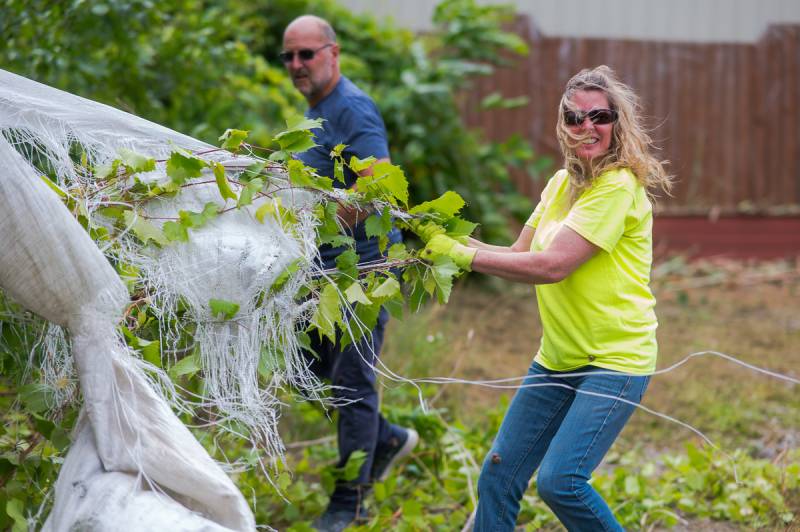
202,67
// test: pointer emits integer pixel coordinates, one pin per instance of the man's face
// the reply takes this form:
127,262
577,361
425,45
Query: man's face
312,77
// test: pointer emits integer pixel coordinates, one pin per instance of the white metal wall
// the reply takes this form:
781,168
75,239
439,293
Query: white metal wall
670,20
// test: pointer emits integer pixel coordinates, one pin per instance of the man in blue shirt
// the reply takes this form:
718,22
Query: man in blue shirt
311,56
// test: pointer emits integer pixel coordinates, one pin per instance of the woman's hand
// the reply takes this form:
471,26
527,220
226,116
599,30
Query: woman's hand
442,245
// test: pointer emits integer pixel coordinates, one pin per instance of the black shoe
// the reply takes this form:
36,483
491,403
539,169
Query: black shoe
334,521
387,457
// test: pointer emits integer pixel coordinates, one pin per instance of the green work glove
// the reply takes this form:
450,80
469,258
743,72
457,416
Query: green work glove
426,230
459,253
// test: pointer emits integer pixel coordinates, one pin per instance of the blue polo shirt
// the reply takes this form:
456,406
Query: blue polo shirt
351,118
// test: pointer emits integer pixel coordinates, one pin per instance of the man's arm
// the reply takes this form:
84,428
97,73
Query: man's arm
351,215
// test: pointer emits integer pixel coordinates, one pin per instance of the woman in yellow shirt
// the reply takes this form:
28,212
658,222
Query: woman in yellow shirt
588,249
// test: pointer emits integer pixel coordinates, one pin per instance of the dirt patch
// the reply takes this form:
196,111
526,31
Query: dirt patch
745,310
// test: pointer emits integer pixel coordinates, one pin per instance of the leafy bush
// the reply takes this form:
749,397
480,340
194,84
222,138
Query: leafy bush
203,67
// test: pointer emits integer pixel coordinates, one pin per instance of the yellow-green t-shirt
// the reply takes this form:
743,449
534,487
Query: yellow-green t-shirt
602,313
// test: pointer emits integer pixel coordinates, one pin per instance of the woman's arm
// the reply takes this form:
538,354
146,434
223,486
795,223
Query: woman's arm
567,251
523,243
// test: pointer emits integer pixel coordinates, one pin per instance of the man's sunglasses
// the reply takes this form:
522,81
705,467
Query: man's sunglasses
306,54
597,116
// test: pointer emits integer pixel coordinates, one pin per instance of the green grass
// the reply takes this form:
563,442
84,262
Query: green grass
658,475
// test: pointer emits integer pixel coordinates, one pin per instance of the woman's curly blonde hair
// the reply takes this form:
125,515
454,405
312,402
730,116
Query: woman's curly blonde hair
630,143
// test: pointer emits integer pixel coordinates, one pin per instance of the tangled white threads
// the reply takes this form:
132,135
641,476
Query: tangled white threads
233,258
503,384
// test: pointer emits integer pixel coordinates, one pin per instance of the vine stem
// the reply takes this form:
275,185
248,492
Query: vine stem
381,266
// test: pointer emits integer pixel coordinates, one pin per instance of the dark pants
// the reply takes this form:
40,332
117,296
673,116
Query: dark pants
360,424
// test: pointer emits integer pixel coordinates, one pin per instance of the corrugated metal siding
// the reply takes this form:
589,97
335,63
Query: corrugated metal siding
673,20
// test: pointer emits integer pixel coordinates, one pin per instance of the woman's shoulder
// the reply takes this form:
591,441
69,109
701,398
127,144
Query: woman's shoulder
559,177
618,177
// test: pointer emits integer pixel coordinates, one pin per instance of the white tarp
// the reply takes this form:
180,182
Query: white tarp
134,465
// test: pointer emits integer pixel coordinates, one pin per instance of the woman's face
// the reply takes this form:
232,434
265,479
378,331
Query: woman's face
598,136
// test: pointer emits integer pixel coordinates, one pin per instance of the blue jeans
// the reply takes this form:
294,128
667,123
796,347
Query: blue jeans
563,433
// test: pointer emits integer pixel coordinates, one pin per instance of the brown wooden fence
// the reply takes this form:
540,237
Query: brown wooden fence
727,115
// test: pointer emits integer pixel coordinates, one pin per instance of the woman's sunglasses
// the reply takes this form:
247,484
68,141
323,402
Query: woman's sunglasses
597,116
306,54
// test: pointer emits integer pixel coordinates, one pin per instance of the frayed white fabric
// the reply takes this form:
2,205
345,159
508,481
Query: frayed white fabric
131,453
234,257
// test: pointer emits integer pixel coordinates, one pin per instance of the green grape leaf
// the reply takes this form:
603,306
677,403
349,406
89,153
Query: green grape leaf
43,426
328,313
232,139
339,241
284,276
458,227
359,165
378,225
302,176
448,204
188,365
444,270
222,182
104,170
199,219
353,466
387,182
355,294
60,439
182,165
398,252
368,315
144,230
36,397
279,156
346,262
296,141
114,211
250,189
417,293
301,123
337,150
175,231
338,170
151,351
387,289
298,136
136,163
15,509
223,309
326,214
